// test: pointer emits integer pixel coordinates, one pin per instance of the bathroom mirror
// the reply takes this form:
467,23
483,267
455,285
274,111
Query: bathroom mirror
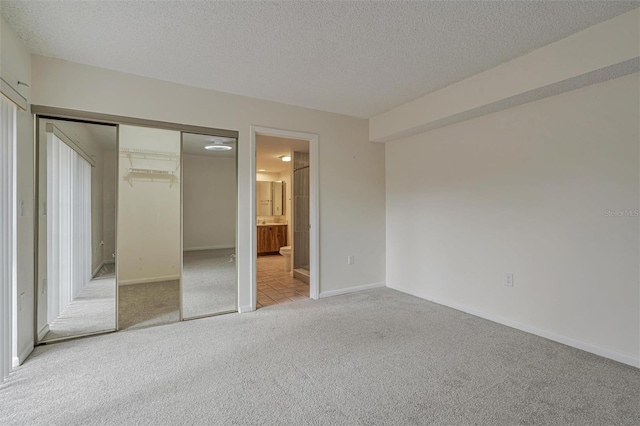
76,229
270,198
149,252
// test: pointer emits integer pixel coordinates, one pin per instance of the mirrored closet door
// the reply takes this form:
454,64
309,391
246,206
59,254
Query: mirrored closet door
209,200
149,255
76,291
161,201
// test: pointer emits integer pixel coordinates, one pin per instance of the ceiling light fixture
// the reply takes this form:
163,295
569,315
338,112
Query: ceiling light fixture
285,158
217,145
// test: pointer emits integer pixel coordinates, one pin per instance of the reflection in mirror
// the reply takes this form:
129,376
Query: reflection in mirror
270,198
148,226
209,276
77,222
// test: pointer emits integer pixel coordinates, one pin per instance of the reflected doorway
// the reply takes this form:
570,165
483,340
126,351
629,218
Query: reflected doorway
76,292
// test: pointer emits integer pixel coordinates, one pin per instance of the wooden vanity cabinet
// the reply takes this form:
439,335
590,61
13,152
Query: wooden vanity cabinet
271,238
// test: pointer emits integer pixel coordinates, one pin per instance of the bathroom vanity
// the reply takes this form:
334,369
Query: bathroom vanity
271,237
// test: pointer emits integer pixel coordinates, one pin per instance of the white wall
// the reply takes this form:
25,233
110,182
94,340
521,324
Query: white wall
527,191
209,202
15,60
351,169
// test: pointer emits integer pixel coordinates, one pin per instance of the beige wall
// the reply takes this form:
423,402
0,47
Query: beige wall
351,169
15,61
530,191
209,202
148,207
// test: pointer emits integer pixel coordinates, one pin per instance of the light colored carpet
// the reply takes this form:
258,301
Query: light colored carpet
147,304
373,357
209,282
92,311
209,287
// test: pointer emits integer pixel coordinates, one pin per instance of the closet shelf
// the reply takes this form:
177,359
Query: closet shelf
149,154
168,162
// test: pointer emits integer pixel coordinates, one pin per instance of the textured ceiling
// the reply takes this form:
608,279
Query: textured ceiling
355,58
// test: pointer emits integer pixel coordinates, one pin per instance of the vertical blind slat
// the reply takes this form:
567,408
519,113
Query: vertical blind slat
68,225
7,231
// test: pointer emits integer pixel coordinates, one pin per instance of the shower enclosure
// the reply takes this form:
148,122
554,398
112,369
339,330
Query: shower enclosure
301,216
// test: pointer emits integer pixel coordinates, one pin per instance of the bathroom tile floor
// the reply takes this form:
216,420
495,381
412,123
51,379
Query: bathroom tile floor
277,286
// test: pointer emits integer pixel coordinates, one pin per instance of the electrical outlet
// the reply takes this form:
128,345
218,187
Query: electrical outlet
22,302
508,279
351,260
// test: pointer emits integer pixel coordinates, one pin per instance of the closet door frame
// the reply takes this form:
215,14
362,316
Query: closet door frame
54,113
39,167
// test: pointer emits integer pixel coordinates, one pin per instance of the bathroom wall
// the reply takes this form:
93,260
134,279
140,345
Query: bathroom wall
209,202
301,210
267,176
285,177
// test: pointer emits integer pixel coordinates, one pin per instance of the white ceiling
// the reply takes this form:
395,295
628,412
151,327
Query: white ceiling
269,149
357,58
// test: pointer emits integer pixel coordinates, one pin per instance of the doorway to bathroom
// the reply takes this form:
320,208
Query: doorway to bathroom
285,208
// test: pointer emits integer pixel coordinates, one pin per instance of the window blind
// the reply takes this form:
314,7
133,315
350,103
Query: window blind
7,230
68,225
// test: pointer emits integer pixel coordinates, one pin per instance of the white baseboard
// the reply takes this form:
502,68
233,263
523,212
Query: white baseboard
244,309
103,263
149,280
43,332
209,248
95,271
607,353
18,360
351,289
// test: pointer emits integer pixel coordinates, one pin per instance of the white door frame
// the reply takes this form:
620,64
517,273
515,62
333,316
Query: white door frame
314,208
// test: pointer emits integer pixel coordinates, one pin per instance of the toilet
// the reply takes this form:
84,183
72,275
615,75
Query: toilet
286,252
